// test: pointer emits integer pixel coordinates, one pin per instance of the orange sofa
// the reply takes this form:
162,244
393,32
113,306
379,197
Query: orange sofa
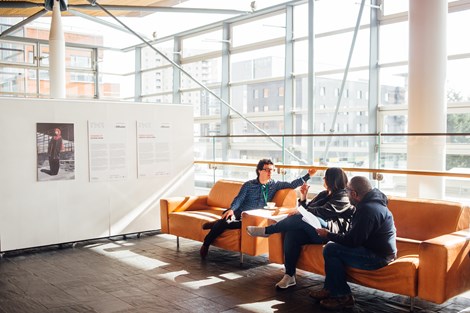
184,217
433,241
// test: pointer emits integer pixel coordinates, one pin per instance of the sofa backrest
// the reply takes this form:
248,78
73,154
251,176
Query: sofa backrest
423,219
286,198
224,191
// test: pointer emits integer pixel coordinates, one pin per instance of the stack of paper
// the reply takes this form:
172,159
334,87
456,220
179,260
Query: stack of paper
309,218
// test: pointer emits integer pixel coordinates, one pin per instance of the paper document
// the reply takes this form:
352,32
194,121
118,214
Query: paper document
308,217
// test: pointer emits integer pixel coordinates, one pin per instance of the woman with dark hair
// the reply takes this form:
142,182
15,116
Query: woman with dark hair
331,207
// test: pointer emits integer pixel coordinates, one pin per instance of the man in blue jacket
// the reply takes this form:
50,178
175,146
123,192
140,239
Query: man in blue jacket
369,244
254,194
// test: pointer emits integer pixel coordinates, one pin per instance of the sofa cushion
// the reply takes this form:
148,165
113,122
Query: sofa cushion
188,224
400,276
223,192
228,240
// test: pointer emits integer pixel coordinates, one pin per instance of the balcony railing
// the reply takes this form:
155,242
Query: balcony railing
381,157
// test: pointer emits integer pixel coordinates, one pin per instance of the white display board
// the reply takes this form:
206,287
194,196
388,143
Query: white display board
95,204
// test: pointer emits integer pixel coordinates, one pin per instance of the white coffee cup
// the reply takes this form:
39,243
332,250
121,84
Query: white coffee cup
271,205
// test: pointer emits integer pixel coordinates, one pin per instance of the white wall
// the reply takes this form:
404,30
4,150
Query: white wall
36,213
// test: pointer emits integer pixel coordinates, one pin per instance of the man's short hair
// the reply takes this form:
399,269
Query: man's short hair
261,165
361,185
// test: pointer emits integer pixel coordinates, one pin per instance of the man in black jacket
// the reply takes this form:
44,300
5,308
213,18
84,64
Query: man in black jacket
369,244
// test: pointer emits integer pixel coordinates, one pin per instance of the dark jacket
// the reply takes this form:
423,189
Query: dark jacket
335,209
372,227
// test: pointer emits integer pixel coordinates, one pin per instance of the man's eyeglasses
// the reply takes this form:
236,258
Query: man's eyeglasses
268,170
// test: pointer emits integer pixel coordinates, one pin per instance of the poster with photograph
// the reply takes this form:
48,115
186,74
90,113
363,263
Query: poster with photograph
107,147
153,149
55,151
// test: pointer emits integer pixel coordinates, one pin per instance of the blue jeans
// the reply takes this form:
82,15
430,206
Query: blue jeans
337,257
297,234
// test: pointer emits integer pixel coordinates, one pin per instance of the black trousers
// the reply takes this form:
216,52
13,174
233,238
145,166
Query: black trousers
54,165
219,227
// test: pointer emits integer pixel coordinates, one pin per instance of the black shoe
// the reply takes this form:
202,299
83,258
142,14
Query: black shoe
203,251
338,303
319,294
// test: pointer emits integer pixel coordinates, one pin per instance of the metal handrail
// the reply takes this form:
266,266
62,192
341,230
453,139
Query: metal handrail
338,135
347,169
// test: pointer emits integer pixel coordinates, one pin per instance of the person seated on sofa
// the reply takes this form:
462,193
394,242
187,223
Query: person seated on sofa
331,207
254,194
369,244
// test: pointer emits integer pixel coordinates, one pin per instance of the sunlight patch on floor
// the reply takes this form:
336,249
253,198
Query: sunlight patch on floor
261,307
173,275
231,276
117,252
203,282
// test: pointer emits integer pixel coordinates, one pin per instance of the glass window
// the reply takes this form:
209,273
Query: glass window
17,53
152,81
205,71
159,99
115,87
393,85
259,30
301,20
204,43
458,75
43,55
80,85
78,58
256,64
393,43
17,81
265,93
456,23
394,6
242,103
394,123
332,52
301,57
151,58
109,58
204,104
332,15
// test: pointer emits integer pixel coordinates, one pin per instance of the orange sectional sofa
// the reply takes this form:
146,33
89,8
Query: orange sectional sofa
433,241
184,217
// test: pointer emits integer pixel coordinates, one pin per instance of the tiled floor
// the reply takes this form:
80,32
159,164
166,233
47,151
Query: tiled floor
148,274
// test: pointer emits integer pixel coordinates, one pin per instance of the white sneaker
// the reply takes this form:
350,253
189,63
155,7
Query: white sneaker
256,231
286,282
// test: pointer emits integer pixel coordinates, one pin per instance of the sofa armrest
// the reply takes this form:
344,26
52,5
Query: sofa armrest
179,204
254,245
444,266
276,246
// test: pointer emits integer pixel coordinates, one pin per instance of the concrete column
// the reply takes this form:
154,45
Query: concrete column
427,103
56,55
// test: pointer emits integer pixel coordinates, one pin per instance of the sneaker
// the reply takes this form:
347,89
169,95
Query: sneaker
203,251
337,303
286,282
256,231
319,294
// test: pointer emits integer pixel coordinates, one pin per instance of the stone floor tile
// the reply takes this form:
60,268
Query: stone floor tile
150,274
